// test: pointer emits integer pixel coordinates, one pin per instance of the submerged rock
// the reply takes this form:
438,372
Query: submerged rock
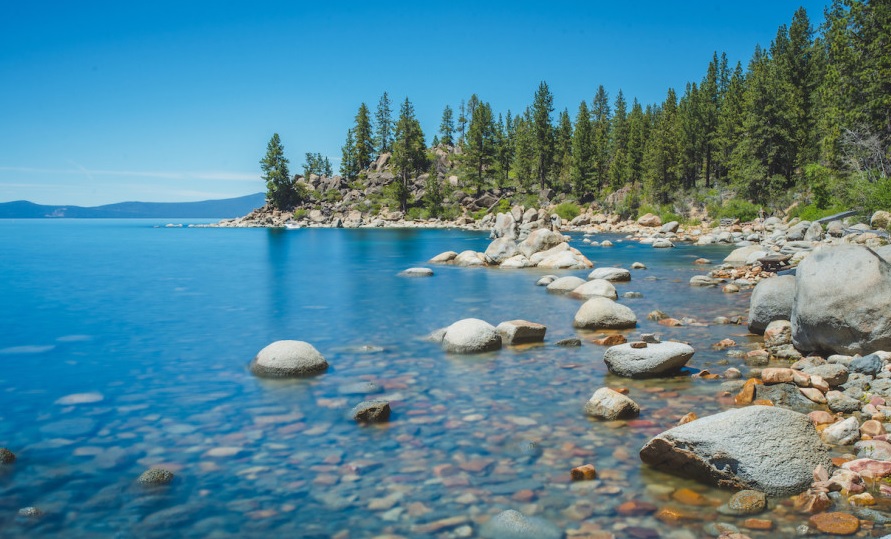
764,448
155,476
656,359
470,336
6,456
288,359
512,524
417,272
374,411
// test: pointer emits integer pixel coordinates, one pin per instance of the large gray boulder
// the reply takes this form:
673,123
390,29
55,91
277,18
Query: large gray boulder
654,359
469,259
539,240
470,336
500,250
842,301
505,226
288,359
771,300
604,313
764,448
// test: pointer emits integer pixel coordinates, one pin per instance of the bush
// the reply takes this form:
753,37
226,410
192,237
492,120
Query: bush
503,206
479,214
416,214
735,208
299,214
812,212
567,211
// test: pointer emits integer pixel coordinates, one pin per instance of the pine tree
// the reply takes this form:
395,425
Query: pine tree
711,97
619,166
661,176
364,142
524,162
637,137
384,122
279,185
433,195
348,167
447,127
543,136
409,151
462,121
503,150
600,137
730,120
563,152
582,174
692,142
479,148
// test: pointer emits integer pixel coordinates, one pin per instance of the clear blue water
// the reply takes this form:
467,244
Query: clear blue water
162,323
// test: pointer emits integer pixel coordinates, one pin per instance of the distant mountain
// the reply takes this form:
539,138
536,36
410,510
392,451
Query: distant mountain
206,209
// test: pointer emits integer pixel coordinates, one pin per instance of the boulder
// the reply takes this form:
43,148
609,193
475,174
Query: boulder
880,220
539,240
443,258
670,227
521,331
469,259
842,433
841,301
417,272
662,243
500,250
771,300
778,333
704,280
374,411
604,313
288,359
597,287
610,274
814,232
565,259
608,404
765,448
740,256
546,280
512,524
516,262
658,359
565,285
470,336
870,364
650,220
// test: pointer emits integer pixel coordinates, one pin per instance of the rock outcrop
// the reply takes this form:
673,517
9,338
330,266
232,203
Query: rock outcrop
764,448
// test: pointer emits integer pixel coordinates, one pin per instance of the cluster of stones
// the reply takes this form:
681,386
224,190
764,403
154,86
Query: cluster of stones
542,247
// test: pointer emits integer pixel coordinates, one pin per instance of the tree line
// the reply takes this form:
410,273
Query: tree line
811,112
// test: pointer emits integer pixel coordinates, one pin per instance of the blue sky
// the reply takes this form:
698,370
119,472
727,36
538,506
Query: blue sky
104,102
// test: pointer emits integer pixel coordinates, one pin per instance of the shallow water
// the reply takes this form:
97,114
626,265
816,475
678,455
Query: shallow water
156,326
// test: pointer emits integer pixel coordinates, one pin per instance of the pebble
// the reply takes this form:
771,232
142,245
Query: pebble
155,476
585,472
835,523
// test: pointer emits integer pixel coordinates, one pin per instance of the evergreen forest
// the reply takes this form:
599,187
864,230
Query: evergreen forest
803,127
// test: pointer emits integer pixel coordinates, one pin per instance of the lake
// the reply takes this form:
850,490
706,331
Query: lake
125,345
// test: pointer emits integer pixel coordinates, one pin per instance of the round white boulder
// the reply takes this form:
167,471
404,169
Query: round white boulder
565,285
288,359
604,313
471,336
597,287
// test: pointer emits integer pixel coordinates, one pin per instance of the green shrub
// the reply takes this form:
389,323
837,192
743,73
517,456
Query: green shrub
479,214
503,206
735,208
417,213
567,211
299,213
812,212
